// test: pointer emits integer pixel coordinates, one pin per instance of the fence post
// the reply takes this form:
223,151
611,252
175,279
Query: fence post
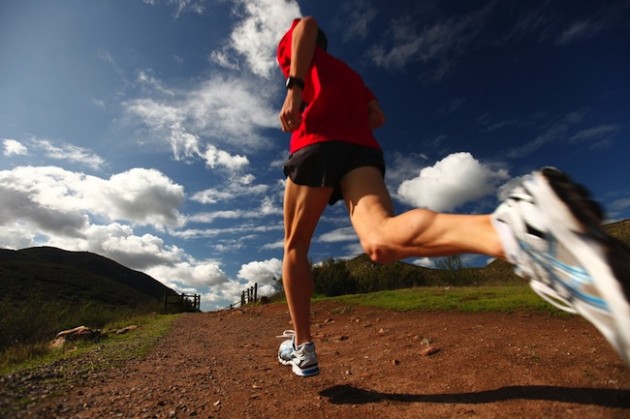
256,292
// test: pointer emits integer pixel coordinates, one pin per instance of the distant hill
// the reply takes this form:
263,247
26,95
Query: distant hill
44,290
48,272
360,274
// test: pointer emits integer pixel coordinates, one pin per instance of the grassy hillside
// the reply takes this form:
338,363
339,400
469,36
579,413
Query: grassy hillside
619,230
99,266
45,290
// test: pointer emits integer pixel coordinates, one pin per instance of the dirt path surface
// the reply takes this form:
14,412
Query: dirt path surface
224,365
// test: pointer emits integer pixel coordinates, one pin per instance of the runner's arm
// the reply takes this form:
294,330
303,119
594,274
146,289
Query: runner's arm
302,50
377,116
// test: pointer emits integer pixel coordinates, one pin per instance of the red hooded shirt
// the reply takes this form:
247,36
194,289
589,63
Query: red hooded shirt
337,100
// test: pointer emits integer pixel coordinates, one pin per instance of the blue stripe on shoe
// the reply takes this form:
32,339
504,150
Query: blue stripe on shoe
306,372
578,277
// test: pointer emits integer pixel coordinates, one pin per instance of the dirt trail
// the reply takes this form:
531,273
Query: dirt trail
223,365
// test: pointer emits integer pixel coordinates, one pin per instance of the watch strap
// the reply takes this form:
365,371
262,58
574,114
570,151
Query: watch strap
294,81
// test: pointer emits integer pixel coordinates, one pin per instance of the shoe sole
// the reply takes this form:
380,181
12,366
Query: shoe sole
306,372
302,372
576,219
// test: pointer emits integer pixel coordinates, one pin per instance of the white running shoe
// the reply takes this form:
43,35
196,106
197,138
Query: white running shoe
303,359
570,261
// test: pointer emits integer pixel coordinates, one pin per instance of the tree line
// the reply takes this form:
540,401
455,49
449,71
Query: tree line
361,275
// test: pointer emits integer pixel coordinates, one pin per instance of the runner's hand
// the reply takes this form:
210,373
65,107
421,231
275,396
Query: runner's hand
290,115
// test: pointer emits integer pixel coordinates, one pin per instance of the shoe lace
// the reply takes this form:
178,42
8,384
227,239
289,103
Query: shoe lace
287,334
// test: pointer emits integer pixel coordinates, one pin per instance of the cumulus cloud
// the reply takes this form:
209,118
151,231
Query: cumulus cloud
60,201
451,182
51,206
191,272
264,273
215,158
13,148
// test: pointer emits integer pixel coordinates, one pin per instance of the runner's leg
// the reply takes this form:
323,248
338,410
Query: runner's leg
303,205
419,232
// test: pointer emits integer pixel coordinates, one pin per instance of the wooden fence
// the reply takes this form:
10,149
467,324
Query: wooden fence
182,302
250,295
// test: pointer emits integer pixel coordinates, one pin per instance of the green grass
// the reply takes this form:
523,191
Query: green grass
505,298
112,350
59,370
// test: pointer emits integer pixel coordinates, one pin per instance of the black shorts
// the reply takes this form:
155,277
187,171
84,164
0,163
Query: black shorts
326,163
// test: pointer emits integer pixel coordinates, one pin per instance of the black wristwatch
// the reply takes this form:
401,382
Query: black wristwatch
294,81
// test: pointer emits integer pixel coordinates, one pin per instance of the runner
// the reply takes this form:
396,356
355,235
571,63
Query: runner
549,227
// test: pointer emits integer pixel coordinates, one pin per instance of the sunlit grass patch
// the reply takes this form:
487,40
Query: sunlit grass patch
505,298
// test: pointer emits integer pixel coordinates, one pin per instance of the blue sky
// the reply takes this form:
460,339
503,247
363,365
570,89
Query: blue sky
146,130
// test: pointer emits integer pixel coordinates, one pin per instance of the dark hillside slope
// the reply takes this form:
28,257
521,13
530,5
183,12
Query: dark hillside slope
100,266
26,278
45,290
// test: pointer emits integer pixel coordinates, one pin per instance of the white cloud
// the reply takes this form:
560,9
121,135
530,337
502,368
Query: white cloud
424,262
16,235
357,16
343,234
552,132
222,110
50,206
617,208
215,157
13,148
65,152
192,273
60,201
267,207
241,229
402,166
224,59
273,246
405,42
181,6
451,182
264,273
229,192
596,135
146,78
69,153
256,36
582,29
